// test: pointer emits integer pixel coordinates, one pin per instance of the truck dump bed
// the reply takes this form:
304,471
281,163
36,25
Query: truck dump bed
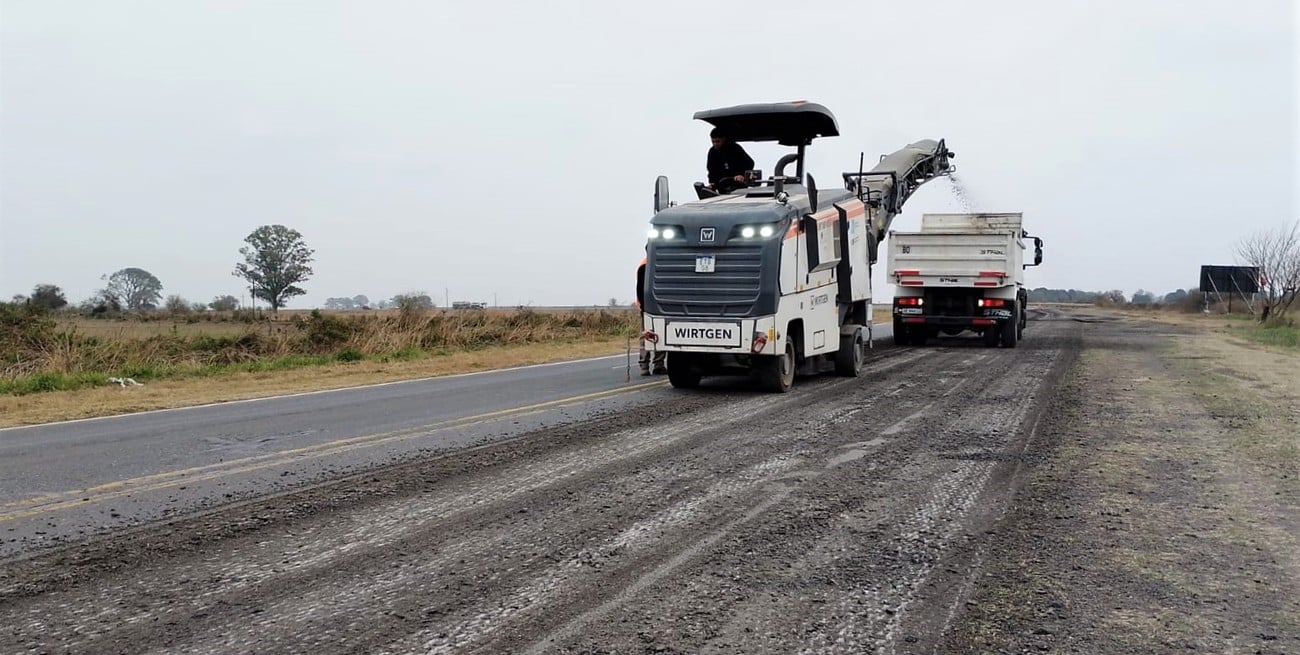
958,250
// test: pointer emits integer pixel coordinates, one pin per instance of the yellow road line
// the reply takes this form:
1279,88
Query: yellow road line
81,497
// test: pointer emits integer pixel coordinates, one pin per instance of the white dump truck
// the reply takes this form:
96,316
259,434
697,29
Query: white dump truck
961,272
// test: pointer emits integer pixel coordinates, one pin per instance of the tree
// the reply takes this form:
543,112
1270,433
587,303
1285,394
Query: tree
339,303
1276,253
135,288
1143,297
48,296
1110,298
1175,297
224,304
275,261
176,305
103,303
361,301
414,301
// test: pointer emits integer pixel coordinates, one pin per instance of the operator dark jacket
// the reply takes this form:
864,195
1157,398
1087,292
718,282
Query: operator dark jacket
727,161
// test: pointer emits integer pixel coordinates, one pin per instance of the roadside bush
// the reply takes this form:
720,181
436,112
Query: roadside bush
325,331
24,326
349,355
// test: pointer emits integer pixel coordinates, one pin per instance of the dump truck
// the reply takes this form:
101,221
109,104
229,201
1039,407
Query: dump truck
773,278
961,272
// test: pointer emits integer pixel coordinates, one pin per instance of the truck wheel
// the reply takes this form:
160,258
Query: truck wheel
682,373
1023,306
900,333
848,359
1011,329
775,373
991,336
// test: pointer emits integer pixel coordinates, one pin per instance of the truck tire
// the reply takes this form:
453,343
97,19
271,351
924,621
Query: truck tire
1011,328
1023,306
682,373
848,359
900,333
992,335
774,373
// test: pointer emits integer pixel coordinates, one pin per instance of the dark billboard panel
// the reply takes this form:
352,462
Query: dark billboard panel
1230,279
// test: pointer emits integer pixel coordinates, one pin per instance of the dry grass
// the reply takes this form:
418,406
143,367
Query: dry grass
129,329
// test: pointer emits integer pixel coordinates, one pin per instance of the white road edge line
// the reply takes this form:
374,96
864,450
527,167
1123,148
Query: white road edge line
308,393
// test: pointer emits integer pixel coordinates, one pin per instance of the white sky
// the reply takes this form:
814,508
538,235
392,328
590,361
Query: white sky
508,150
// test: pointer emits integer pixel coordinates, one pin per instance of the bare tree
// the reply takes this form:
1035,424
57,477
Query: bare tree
1276,253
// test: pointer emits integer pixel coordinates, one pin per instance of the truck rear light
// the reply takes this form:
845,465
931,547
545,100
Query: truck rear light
907,272
911,302
991,302
983,321
650,336
993,273
914,320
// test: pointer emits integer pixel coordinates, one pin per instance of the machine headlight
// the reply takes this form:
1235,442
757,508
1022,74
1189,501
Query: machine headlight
756,231
664,232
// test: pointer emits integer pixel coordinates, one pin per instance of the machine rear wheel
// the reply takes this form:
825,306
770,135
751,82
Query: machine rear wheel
682,373
849,358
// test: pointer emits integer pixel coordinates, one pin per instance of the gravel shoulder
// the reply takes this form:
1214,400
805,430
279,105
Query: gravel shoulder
1159,506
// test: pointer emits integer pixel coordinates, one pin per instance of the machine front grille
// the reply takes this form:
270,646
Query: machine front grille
731,289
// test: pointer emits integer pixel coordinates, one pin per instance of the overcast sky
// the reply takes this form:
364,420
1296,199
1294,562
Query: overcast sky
508,150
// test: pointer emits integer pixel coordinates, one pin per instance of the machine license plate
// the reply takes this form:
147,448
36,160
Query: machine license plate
684,333
704,264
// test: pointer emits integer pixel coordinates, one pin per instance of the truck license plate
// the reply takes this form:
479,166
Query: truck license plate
704,264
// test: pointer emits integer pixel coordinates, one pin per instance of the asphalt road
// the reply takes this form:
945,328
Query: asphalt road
67,481
844,517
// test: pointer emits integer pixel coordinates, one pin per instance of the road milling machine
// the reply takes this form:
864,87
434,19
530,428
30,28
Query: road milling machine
773,278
